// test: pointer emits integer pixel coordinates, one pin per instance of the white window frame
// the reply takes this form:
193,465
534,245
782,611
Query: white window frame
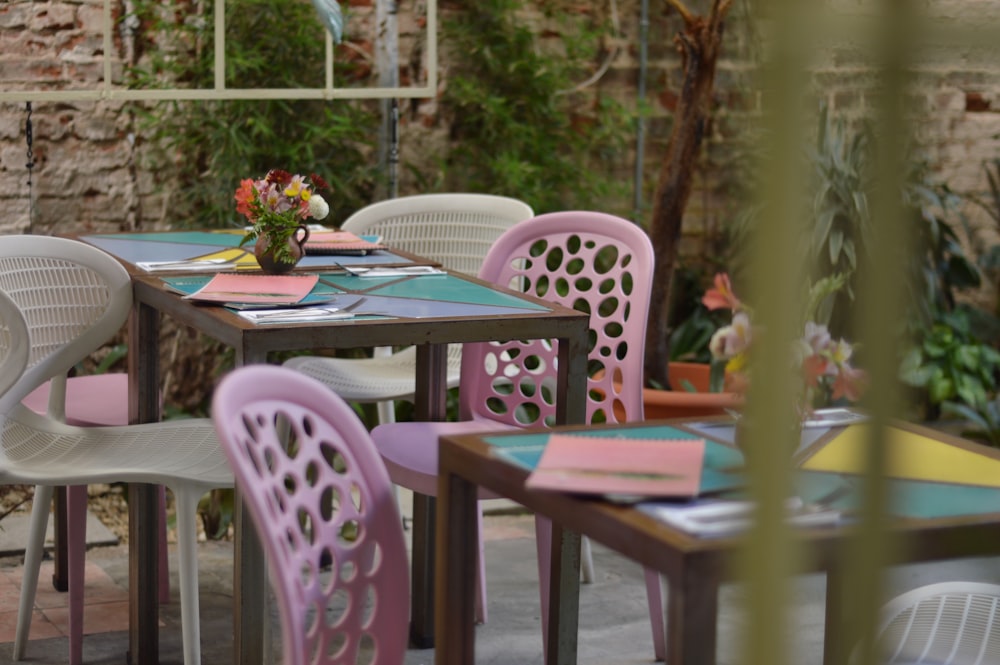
107,91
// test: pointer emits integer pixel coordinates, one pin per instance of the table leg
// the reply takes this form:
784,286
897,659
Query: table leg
430,403
692,613
250,608
143,505
457,541
564,597
60,557
251,616
835,628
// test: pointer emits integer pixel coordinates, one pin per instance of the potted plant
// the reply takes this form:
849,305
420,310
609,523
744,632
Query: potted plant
690,395
277,206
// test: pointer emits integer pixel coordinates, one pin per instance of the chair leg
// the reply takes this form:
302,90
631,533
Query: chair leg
481,613
654,595
543,544
586,561
76,554
186,502
32,560
164,589
386,412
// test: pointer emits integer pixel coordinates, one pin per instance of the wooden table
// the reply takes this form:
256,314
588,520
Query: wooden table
443,310
929,527
454,309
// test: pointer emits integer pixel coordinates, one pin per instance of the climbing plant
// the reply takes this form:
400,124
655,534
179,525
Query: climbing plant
203,149
521,123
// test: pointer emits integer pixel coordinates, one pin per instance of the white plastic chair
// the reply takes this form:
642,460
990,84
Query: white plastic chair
949,623
456,230
72,298
95,400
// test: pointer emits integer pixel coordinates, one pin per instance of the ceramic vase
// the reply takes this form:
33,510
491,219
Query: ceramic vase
271,264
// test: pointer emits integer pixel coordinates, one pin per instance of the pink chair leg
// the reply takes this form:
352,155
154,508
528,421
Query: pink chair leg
76,551
654,592
543,542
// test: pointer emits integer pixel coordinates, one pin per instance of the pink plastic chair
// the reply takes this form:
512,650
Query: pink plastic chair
317,491
592,261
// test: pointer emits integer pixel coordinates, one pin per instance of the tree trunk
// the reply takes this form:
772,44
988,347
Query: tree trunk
699,45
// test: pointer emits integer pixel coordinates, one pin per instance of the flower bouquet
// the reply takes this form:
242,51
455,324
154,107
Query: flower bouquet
827,372
277,206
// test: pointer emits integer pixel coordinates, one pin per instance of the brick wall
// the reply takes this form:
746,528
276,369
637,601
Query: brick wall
86,174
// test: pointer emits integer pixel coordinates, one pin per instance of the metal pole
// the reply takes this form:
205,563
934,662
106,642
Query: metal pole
640,121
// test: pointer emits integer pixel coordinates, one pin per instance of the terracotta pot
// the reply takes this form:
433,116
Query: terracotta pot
680,402
271,264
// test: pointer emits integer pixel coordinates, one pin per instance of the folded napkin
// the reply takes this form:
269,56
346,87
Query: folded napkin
408,271
296,315
193,265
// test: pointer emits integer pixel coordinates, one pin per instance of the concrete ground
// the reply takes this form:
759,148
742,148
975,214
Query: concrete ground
614,624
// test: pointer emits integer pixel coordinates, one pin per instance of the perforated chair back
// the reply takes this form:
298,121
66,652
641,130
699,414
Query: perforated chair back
591,261
950,623
456,230
320,494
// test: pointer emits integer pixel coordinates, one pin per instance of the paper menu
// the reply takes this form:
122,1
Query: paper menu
620,467
338,242
254,288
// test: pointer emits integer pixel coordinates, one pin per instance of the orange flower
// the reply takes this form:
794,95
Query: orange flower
245,195
722,296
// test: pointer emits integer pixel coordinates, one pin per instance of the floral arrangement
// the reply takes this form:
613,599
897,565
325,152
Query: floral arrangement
277,204
827,372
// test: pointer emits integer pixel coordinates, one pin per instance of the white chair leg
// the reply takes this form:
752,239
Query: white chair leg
586,561
654,595
481,613
32,560
164,563
186,502
386,412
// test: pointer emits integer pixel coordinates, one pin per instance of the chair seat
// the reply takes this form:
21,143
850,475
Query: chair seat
169,453
411,462
91,401
374,379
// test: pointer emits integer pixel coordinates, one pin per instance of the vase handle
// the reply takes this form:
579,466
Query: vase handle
304,231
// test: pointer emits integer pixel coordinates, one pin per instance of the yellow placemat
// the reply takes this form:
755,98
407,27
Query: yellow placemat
910,455
243,258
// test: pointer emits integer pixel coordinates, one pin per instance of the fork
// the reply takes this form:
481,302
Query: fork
311,311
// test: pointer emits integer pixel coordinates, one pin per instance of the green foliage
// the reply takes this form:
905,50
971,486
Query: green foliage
209,146
840,215
952,366
517,128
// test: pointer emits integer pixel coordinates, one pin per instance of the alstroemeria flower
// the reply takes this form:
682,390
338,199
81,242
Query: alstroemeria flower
850,383
733,339
245,196
721,296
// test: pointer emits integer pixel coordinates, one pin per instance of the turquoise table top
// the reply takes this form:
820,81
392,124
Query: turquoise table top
909,498
181,245
404,297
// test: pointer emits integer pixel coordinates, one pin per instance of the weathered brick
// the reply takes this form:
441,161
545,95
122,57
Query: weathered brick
52,16
15,16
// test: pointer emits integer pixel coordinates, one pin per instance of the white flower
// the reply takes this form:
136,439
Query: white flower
318,208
